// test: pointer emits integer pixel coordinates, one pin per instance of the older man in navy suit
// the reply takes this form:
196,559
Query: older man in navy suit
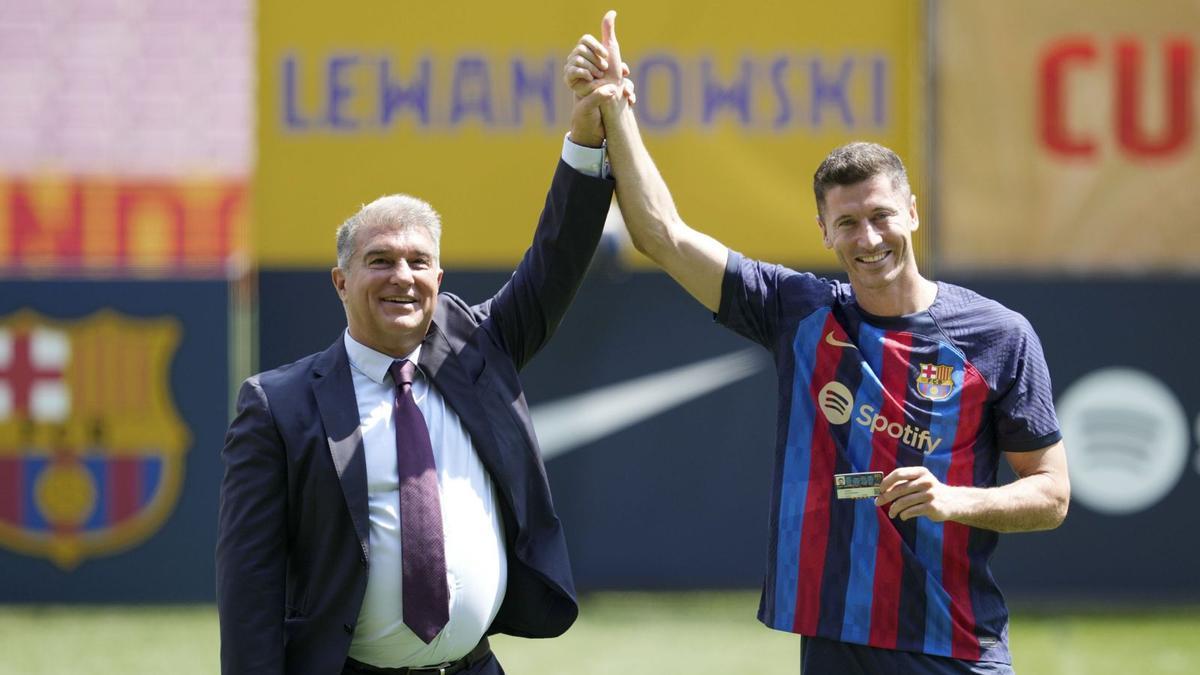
384,507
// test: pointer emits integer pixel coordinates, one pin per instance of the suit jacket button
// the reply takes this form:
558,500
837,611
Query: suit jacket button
349,628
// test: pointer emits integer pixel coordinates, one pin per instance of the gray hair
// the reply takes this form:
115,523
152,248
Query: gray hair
855,162
402,212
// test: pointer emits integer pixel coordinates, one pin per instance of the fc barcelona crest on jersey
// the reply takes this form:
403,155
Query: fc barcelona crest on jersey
91,445
935,381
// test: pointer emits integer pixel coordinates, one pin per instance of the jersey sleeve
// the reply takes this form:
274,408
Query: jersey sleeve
1025,417
758,298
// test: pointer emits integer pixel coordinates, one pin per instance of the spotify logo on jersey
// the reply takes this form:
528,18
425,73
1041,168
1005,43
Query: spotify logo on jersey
1126,437
835,400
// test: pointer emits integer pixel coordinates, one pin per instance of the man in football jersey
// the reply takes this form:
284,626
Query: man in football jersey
924,382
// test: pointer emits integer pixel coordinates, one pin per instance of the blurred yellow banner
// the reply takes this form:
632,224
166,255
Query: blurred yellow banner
1068,135
463,105
154,227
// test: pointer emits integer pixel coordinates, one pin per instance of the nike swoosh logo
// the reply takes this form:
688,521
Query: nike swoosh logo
568,423
830,340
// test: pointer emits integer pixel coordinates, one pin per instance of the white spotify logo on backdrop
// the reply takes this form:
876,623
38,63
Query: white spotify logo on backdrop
1127,440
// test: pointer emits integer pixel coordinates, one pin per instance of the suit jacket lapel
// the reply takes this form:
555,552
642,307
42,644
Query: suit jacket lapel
447,372
333,388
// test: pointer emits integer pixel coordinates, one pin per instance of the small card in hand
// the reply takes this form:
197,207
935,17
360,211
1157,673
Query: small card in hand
857,485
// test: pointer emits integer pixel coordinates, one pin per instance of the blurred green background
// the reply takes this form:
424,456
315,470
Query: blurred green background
697,633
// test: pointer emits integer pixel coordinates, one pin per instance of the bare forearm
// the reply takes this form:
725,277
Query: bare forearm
595,73
1035,502
694,259
646,203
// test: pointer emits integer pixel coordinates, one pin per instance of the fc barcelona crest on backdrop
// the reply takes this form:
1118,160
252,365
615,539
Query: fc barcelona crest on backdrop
935,381
91,445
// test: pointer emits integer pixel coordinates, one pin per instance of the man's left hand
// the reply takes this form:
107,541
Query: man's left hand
912,491
594,72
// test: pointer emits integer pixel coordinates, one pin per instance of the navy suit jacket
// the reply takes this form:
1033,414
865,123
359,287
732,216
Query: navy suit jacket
293,544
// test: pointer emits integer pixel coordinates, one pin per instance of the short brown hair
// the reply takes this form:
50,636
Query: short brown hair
853,163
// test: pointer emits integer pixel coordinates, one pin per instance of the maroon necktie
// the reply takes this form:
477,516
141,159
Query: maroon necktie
424,592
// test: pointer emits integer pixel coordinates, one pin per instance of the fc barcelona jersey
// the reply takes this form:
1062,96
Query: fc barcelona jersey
949,388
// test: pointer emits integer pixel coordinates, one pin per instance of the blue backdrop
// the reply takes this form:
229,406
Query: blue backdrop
678,499
176,562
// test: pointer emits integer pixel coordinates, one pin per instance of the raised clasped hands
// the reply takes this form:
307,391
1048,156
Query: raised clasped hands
596,74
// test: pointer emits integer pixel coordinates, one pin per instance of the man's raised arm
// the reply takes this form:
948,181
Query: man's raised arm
695,260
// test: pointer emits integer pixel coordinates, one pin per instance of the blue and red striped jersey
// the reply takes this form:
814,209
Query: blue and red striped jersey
949,388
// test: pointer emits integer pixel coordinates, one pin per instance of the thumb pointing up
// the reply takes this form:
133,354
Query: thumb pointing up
608,37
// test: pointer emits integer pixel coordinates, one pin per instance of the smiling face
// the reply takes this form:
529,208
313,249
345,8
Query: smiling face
389,285
869,226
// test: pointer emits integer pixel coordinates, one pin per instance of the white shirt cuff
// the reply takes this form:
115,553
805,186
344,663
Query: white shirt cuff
588,161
